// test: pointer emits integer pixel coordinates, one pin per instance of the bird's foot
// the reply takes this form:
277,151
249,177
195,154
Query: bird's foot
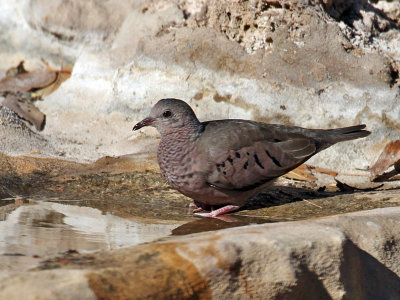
197,210
220,211
195,207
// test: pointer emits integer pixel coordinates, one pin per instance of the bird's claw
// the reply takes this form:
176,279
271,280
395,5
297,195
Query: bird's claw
218,212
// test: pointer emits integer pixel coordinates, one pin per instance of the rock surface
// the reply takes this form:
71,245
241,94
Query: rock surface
353,256
134,188
228,59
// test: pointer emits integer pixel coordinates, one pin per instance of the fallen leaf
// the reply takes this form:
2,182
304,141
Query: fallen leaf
25,110
325,171
20,69
305,173
20,80
61,75
390,156
302,173
26,82
21,88
344,187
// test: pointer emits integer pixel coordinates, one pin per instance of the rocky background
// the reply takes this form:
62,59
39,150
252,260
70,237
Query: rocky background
319,64
75,76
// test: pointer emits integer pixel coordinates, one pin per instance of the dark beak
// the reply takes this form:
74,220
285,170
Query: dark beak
145,122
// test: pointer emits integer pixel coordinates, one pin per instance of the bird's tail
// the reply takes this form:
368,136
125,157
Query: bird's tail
350,133
346,134
329,137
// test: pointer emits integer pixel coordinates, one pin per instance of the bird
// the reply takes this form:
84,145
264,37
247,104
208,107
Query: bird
222,163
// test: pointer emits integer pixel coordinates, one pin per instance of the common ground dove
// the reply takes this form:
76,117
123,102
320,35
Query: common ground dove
224,162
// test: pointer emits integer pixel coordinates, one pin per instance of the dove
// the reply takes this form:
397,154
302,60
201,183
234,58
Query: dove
222,163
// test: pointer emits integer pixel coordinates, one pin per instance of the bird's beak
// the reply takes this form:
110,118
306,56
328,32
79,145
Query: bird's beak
145,122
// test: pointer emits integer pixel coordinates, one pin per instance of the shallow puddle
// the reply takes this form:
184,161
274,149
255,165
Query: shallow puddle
34,231
29,233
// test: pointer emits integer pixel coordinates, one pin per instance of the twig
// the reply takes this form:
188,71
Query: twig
309,202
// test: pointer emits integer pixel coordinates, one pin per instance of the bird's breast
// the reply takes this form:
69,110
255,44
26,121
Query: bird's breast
180,164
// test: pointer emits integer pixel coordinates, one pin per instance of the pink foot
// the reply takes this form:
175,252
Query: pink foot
220,211
197,210
195,207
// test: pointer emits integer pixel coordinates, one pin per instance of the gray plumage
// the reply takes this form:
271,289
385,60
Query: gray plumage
225,162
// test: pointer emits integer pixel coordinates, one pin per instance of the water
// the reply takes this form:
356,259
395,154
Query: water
30,232
33,231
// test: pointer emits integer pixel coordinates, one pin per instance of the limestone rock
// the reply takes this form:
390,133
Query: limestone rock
267,61
91,22
146,22
72,284
288,32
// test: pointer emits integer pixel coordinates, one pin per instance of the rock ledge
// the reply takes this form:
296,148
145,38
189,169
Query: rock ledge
352,256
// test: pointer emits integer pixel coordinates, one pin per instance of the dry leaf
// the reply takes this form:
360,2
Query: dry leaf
25,82
302,173
344,187
390,156
20,80
25,110
325,171
20,69
61,75
18,84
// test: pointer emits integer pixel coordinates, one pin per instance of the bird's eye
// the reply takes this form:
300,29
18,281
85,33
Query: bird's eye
167,114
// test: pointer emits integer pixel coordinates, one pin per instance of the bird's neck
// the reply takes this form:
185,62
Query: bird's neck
186,133
178,138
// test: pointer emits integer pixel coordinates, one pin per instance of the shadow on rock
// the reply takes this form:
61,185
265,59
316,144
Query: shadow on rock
357,270
309,286
279,195
350,12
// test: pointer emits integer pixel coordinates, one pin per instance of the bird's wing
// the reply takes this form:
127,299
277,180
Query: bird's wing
246,155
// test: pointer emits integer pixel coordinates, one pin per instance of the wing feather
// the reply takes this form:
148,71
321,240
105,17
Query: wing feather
255,165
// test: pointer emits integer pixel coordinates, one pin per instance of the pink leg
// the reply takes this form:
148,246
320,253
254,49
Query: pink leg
220,211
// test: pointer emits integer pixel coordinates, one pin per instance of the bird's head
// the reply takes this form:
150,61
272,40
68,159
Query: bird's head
169,115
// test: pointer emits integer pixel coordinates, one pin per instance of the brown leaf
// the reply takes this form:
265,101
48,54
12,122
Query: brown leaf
344,187
46,81
61,75
325,171
390,156
302,173
18,85
25,109
20,69
26,82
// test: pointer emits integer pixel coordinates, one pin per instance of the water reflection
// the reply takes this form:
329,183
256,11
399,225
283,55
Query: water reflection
211,224
46,228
